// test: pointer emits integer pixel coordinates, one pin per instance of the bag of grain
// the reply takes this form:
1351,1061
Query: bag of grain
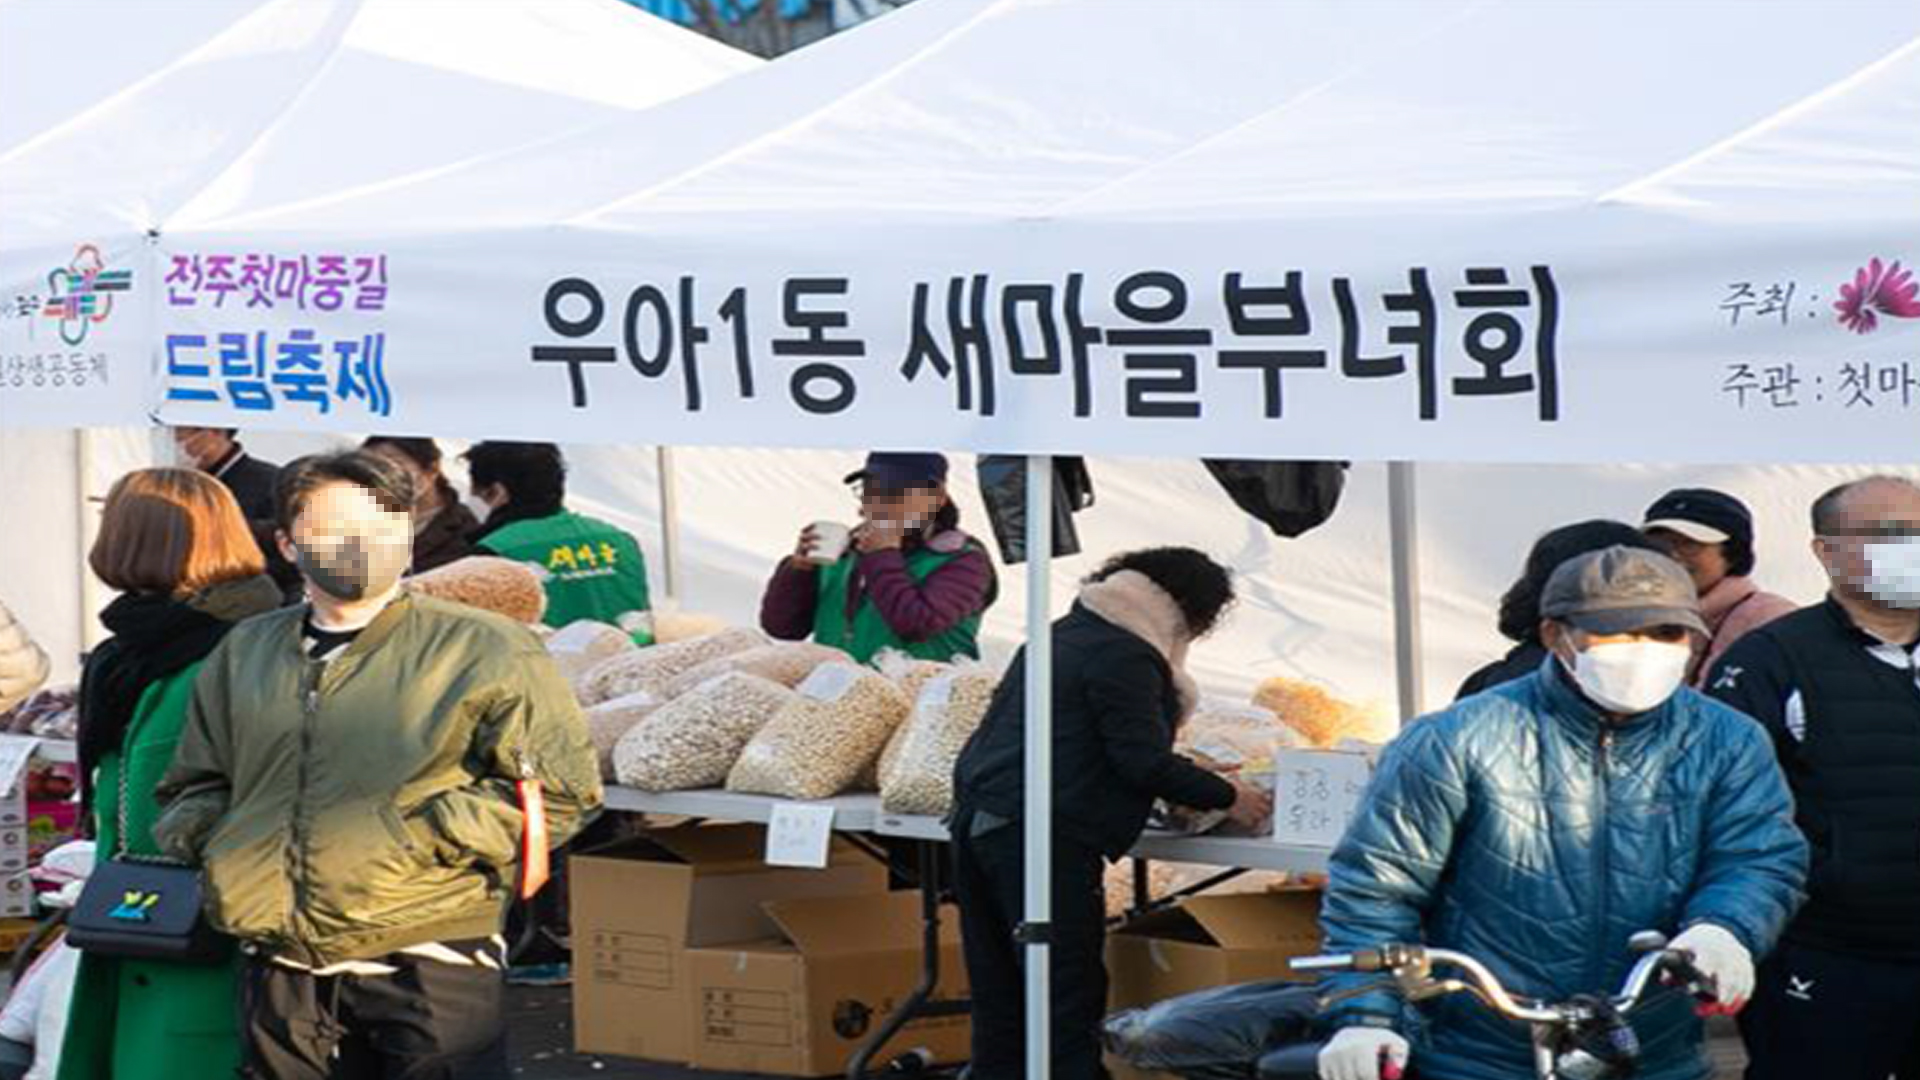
693,741
608,721
916,777
671,627
817,745
787,663
502,586
911,675
651,669
577,647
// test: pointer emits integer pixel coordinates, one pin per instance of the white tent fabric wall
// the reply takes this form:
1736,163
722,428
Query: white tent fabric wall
1316,608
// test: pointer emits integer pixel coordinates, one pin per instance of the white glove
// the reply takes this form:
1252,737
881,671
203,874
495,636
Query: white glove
1723,960
1356,1053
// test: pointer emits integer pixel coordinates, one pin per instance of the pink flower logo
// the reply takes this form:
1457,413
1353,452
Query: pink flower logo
1877,290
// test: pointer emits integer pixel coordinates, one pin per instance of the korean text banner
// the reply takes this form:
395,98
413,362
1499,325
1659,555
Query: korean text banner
1598,334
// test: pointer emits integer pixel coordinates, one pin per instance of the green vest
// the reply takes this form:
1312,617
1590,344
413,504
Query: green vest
148,1019
594,570
869,634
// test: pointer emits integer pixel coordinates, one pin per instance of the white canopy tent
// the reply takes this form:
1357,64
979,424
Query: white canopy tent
169,107
1522,233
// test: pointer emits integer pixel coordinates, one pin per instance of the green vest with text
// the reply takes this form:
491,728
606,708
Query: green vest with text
867,634
594,570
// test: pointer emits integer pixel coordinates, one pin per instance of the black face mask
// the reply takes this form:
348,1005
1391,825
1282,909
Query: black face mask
354,567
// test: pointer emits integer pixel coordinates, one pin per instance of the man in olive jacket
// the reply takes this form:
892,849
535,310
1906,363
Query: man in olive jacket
356,779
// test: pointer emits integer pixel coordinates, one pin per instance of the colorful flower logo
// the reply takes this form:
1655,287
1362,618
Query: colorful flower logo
82,293
1878,290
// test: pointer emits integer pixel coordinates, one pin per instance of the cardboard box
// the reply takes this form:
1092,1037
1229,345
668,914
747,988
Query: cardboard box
1208,941
639,905
802,1005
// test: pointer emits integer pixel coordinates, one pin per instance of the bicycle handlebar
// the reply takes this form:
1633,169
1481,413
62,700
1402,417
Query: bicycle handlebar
1412,965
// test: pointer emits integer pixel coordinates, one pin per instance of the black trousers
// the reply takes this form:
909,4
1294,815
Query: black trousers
428,1021
1820,1015
988,883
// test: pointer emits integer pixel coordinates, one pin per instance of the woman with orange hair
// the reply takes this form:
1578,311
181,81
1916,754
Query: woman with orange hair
174,544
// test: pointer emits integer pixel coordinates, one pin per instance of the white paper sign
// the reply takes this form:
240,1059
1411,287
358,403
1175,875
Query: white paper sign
1316,793
798,834
15,752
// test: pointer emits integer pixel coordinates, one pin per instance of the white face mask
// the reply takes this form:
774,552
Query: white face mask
1631,677
1893,573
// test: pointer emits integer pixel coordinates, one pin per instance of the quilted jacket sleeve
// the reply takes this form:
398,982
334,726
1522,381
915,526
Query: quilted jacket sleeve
1386,869
1753,872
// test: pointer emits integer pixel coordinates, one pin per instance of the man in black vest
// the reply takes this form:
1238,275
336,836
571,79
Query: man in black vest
1838,686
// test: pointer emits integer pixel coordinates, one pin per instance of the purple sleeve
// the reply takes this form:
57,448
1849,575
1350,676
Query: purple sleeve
786,611
923,611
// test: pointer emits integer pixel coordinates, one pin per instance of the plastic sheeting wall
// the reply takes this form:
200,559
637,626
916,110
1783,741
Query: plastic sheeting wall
1318,607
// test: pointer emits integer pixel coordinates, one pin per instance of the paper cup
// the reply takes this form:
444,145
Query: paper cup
830,541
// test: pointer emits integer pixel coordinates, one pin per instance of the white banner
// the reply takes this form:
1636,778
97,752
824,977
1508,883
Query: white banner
1606,334
76,333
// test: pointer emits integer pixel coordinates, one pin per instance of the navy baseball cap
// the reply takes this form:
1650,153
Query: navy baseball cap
1703,515
1622,590
898,472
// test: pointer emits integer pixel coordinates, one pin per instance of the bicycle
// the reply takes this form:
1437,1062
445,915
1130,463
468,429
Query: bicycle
1584,1038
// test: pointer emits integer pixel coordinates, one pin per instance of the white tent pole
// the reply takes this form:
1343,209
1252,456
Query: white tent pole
669,522
1404,523
1039,765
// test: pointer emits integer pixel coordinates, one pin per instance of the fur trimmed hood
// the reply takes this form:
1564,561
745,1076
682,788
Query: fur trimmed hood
1131,601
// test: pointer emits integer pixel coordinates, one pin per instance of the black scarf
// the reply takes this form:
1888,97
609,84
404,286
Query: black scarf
154,636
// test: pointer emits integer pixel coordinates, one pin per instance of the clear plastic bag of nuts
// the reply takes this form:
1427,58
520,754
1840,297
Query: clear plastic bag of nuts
693,741
818,744
916,774
653,668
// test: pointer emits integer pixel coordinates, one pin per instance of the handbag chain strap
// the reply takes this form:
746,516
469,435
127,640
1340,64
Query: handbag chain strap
123,855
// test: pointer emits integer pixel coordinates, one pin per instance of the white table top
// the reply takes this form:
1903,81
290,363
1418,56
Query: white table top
852,813
862,813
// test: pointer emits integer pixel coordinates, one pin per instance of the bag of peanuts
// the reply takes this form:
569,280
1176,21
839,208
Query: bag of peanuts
787,663
693,741
609,721
670,627
502,586
652,669
578,646
916,774
818,744
911,676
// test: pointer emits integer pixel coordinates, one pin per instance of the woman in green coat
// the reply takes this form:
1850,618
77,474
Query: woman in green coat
174,544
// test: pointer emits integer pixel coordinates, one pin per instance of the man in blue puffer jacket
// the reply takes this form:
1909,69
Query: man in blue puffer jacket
1539,825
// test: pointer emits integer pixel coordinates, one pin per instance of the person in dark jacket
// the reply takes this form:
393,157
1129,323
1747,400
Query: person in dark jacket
1120,690
1834,685
911,581
443,527
216,452
1540,825
175,546
1520,607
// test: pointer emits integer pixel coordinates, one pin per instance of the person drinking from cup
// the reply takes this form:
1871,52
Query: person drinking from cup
905,578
